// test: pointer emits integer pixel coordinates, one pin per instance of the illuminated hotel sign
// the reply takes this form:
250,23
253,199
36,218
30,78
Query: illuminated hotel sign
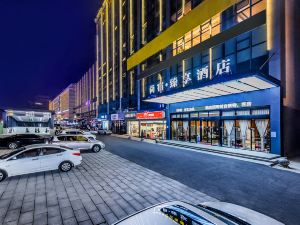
222,67
216,107
202,73
151,115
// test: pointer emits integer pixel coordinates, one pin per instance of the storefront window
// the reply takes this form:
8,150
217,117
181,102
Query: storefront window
153,129
133,128
213,128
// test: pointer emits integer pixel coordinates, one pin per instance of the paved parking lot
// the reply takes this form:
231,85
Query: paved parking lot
102,190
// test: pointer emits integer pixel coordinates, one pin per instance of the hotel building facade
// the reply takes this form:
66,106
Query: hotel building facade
214,72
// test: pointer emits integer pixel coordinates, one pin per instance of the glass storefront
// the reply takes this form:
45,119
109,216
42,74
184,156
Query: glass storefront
244,129
133,128
149,129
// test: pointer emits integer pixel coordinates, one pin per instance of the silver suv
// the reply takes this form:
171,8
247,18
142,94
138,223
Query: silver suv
80,142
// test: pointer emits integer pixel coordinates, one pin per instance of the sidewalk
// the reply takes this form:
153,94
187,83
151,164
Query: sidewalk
255,155
104,189
246,155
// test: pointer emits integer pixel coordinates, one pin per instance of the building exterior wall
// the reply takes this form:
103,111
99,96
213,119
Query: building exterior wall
156,41
63,105
115,42
86,95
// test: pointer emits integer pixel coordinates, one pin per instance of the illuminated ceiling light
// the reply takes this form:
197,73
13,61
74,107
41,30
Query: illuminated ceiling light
255,82
242,85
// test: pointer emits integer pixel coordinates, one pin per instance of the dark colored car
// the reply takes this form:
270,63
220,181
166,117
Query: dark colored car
18,140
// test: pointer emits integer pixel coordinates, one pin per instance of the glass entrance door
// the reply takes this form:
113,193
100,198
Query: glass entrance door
210,132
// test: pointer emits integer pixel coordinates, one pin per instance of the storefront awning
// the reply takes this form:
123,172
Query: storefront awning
235,86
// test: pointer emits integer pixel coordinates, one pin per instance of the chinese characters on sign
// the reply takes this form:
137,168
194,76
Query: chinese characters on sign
223,67
160,87
173,82
186,78
202,73
152,89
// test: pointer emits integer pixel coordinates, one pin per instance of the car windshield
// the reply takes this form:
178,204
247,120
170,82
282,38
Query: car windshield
7,155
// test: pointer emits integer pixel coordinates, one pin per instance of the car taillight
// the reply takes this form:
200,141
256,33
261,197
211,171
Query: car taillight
76,153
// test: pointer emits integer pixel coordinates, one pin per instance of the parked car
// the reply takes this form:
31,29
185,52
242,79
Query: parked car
19,140
57,129
76,131
211,213
80,142
104,131
38,158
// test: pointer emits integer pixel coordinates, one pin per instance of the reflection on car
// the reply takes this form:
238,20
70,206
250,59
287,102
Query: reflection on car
78,132
19,140
211,213
80,142
37,158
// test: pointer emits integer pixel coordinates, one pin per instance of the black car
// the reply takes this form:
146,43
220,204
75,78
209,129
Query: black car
18,140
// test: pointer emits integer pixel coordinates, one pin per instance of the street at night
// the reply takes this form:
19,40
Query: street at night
149,112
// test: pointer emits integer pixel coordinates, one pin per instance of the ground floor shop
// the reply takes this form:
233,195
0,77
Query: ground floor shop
152,129
150,125
242,121
240,128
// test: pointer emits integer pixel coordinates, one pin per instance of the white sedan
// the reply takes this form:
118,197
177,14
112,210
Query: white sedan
79,142
78,132
104,131
38,158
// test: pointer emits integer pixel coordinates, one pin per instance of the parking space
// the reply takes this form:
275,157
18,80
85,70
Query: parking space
102,190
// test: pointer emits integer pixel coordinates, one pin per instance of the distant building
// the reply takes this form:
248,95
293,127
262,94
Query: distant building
86,91
63,105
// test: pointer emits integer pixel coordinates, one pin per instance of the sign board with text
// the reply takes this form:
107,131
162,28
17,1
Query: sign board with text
151,115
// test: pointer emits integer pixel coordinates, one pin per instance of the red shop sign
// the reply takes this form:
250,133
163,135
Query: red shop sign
151,115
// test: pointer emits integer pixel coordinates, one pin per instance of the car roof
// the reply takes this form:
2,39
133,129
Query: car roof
40,146
70,135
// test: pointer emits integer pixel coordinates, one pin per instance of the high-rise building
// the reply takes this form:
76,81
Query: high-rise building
86,95
216,72
63,105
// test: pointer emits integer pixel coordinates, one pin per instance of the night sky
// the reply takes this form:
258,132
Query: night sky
44,46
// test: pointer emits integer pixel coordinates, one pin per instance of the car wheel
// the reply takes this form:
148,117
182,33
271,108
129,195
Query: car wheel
12,145
65,166
96,148
3,175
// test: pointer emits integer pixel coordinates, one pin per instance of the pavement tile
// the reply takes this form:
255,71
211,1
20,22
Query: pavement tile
103,208
53,211
67,212
102,190
70,221
26,217
56,220
27,206
40,219
65,202
81,215
87,222
12,215
96,217
110,218
77,204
